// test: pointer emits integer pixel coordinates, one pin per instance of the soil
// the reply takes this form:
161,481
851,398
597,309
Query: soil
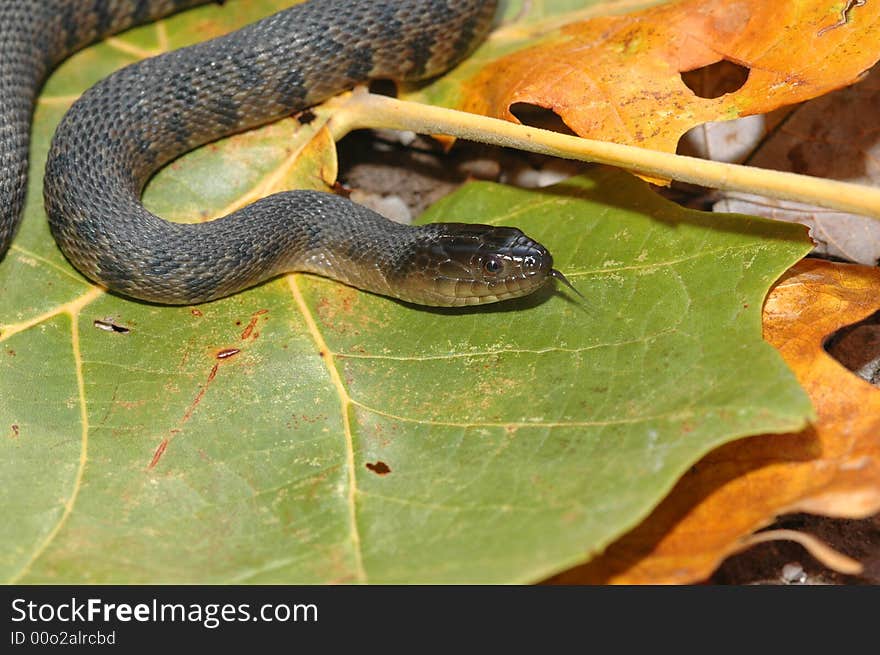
785,562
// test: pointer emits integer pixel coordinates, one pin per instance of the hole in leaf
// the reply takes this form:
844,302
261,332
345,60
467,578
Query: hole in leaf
109,326
379,468
857,347
305,117
716,80
540,117
383,88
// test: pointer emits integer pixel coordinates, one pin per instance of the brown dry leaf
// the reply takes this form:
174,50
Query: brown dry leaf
836,136
618,78
832,468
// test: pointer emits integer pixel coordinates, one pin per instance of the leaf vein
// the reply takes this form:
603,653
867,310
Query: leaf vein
345,407
671,416
506,351
84,449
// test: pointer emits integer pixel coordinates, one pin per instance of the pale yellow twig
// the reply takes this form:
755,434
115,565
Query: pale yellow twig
367,110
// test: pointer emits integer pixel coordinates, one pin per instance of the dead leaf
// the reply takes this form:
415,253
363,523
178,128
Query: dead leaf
835,136
618,78
832,468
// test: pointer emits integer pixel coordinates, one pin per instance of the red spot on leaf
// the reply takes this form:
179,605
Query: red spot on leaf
246,333
192,407
158,454
221,355
249,330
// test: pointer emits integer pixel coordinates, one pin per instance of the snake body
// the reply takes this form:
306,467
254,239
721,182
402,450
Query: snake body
122,130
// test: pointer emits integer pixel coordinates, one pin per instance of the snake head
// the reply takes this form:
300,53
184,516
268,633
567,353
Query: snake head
470,264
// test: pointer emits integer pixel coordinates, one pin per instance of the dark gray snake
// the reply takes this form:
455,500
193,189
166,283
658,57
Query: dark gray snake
129,125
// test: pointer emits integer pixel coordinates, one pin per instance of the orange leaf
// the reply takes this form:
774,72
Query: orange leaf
832,468
618,78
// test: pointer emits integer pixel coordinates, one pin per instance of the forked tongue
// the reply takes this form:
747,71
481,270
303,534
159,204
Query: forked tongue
559,276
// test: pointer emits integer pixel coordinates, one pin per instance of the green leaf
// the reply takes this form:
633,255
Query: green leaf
308,432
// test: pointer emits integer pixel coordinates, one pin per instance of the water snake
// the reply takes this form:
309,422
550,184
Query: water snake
122,130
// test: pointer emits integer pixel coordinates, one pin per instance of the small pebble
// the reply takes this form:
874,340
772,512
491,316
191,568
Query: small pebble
551,172
482,169
403,137
391,207
793,573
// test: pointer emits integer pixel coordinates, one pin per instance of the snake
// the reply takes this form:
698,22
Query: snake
125,128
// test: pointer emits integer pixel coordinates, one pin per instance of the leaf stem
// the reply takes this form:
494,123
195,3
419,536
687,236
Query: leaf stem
367,110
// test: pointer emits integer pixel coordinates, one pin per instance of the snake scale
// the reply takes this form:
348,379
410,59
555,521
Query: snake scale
126,127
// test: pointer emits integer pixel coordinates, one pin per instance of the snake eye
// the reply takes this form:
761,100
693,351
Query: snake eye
492,265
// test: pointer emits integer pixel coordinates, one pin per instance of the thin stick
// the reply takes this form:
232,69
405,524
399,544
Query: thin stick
367,110
818,549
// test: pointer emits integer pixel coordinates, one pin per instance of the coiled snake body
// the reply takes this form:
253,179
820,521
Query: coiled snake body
129,125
